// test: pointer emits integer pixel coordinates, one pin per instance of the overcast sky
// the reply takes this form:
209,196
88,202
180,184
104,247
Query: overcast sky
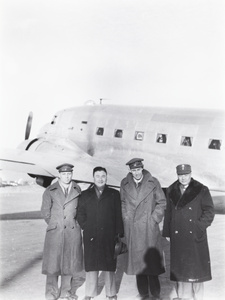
60,53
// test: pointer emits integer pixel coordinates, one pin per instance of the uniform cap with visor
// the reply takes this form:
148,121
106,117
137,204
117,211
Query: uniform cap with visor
65,168
135,163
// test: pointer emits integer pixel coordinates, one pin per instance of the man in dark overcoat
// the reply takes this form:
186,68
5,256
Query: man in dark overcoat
99,215
143,206
63,254
189,212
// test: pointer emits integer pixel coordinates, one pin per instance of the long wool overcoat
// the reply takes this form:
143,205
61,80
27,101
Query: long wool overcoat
143,210
63,254
186,219
101,221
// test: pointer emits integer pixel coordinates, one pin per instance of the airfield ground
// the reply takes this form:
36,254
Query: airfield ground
21,242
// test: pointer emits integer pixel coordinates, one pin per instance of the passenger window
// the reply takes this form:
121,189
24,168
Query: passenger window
118,133
214,144
100,131
139,135
161,138
186,141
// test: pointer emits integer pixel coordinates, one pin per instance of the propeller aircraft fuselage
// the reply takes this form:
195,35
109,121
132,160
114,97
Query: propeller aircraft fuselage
109,136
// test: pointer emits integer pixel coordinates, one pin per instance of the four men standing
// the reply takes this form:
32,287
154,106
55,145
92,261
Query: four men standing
104,214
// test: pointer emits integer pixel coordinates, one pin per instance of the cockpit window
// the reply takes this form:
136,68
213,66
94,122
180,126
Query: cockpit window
100,131
161,138
118,133
214,144
139,135
186,141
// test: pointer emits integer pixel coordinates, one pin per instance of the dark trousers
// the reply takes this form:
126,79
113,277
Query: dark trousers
146,283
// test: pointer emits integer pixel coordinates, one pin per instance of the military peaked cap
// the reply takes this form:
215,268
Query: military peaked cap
135,163
65,168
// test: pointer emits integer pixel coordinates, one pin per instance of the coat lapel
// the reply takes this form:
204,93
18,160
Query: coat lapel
104,194
60,196
58,193
73,193
191,193
146,187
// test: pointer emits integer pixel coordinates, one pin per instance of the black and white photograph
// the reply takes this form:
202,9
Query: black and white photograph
112,155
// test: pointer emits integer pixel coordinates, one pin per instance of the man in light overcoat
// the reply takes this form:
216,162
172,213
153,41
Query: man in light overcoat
62,253
143,205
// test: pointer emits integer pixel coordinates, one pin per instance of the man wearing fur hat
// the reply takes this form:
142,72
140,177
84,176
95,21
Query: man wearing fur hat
189,212
143,206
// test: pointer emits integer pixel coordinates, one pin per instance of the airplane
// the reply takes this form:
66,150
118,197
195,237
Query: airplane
110,135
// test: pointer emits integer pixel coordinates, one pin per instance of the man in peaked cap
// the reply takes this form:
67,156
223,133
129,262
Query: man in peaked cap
189,212
143,205
62,255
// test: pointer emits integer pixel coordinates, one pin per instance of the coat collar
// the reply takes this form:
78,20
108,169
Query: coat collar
74,192
147,185
105,191
191,193
146,177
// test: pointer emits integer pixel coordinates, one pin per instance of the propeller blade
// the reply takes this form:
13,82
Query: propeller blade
28,127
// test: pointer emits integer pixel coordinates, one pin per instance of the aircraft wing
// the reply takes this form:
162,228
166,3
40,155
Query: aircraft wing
44,164
23,161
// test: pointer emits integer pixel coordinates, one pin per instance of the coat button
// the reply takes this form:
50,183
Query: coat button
190,220
190,208
64,217
73,227
64,227
190,231
176,231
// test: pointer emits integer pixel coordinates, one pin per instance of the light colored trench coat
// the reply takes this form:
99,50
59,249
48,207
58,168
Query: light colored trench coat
142,212
63,254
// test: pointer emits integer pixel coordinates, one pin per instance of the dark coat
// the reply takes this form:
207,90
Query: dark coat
186,219
101,220
142,211
62,253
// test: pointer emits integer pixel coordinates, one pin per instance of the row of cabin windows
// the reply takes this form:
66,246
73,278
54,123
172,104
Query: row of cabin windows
162,138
